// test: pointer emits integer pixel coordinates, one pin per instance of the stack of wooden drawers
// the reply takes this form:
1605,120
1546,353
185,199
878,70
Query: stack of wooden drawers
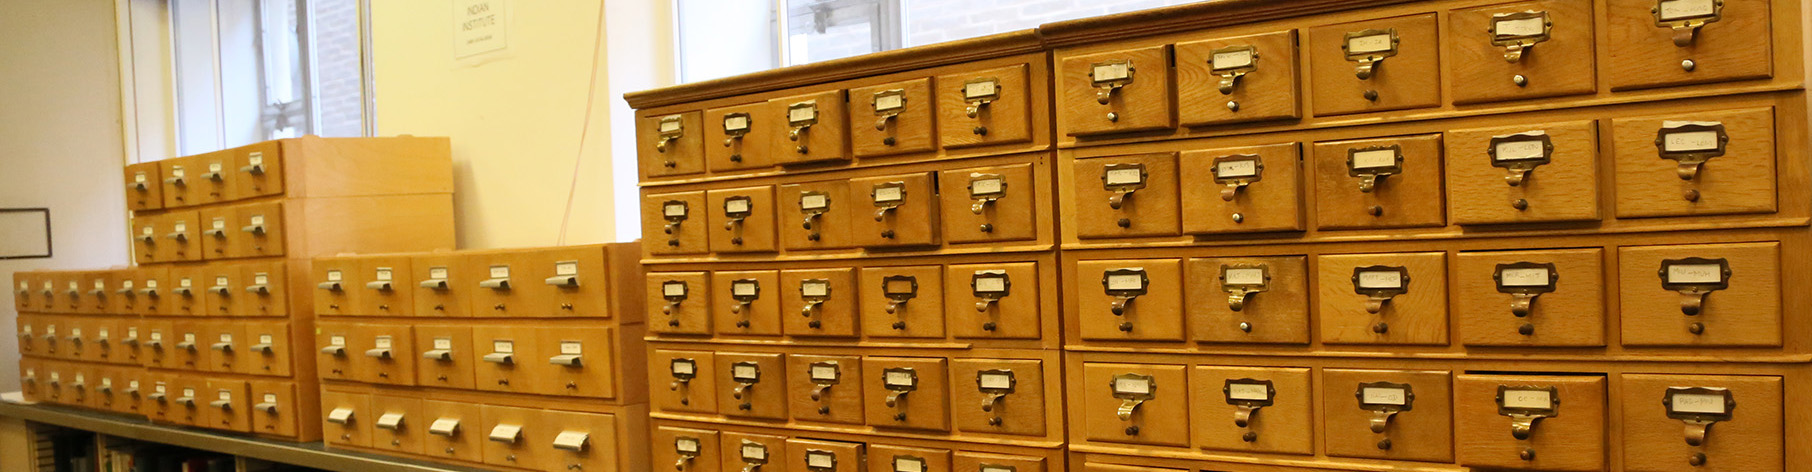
517,358
80,339
851,266
200,333
1534,235
1308,235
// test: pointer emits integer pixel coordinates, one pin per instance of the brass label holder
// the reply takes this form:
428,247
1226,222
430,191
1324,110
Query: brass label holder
1685,17
1699,408
1243,280
1122,180
1108,77
1236,172
1133,390
1368,49
1518,32
1519,154
1380,284
1373,164
1231,63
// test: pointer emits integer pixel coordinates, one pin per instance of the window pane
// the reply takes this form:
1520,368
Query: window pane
721,38
819,30
338,66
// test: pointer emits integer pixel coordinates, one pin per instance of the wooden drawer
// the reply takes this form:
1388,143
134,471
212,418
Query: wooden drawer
908,393
690,379
1654,44
1001,205
441,288
1530,422
447,357
1379,183
824,456
1257,409
751,385
455,430
515,437
260,169
1000,396
817,215
1136,403
144,187
679,303
397,424
508,359
335,291
883,457
266,287
1530,298
1116,91
346,419
1249,300
334,350
1383,298
984,107
750,301
902,301
742,219
500,284
1238,79
1700,295
385,288
675,223
736,137
825,388
891,118
754,452
1656,174
689,450
274,407
825,300
1388,414
1375,65
1137,300
1530,49
580,361
1126,196
229,407
1254,189
671,145
1526,174
810,128
581,441
900,210
573,281
1735,421
993,300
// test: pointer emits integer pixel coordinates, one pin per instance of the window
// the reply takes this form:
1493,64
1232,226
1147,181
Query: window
720,38
250,71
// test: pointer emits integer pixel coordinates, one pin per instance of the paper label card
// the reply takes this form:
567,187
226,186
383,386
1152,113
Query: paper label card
1384,396
1233,59
1375,159
1381,279
1530,399
1684,9
566,268
1370,43
1695,273
1697,403
1126,176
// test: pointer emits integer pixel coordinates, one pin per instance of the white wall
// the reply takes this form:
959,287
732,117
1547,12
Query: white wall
516,116
63,140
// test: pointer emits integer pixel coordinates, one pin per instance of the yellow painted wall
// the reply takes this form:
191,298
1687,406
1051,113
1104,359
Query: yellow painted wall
516,116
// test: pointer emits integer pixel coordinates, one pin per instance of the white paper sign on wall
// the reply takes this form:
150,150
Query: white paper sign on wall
480,26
